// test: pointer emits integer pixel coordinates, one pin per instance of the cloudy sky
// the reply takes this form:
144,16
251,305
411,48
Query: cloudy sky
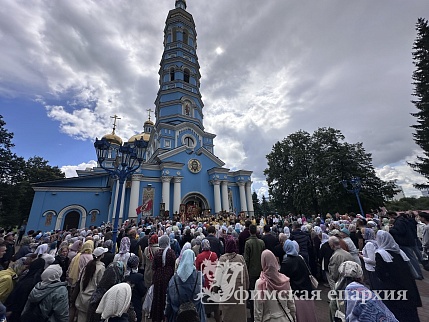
269,68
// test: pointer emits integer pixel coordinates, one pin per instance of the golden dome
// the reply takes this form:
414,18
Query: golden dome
113,138
144,136
148,122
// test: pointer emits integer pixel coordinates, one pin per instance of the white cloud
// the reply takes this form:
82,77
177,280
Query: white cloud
404,175
266,73
70,170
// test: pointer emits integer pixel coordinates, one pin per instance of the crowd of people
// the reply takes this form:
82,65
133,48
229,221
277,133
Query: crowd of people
194,269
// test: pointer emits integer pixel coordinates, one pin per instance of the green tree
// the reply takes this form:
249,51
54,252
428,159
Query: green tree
421,92
305,171
11,166
16,177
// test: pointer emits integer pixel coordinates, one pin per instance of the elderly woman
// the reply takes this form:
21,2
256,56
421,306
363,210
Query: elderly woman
368,256
79,262
124,251
294,267
360,303
163,268
48,301
186,246
270,280
115,303
392,267
184,286
74,249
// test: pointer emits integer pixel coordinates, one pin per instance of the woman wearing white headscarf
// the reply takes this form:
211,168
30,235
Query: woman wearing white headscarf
188,282
115,303
50,295
163,270
186,246
392,267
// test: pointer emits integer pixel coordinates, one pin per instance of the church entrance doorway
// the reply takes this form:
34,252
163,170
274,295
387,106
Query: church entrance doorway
72,220
195,205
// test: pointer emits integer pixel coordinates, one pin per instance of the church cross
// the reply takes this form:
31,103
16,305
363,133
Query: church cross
149,111
114,122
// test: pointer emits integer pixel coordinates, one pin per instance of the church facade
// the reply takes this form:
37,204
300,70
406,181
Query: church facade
180,174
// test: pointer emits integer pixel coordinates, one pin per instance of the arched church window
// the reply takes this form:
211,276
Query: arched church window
171,74
185,37
186,75
189,142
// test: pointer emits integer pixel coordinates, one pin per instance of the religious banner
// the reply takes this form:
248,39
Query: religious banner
146,209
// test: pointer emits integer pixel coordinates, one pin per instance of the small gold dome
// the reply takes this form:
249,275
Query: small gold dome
148,122
144,136
113,138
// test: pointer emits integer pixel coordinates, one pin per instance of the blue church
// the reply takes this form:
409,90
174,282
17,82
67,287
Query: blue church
180,174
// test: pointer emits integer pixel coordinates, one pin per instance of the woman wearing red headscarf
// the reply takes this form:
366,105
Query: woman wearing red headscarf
282,309
148,256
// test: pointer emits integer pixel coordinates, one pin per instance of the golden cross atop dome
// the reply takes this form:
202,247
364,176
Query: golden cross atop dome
114,122
149,111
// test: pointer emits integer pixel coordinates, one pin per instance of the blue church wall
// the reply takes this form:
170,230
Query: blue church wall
56,201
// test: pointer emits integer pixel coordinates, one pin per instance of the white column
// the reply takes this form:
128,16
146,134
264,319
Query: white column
217,205
242,196
249,198
134,196
166,192
224,190
177,194
115,201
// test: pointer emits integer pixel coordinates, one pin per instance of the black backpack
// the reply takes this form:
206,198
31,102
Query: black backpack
33,314
187,311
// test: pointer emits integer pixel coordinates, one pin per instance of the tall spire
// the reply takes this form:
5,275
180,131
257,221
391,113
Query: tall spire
181,4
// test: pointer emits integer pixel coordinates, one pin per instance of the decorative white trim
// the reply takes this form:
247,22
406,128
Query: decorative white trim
65,210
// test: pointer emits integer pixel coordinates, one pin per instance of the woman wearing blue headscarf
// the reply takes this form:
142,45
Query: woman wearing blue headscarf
294,267
184,286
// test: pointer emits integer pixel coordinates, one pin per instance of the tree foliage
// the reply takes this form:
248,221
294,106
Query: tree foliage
16,177
421,92
406,204
305,171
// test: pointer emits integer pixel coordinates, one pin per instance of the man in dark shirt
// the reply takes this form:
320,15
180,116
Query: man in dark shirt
215,244
144,241
134,246
243,237
269,240
303,240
